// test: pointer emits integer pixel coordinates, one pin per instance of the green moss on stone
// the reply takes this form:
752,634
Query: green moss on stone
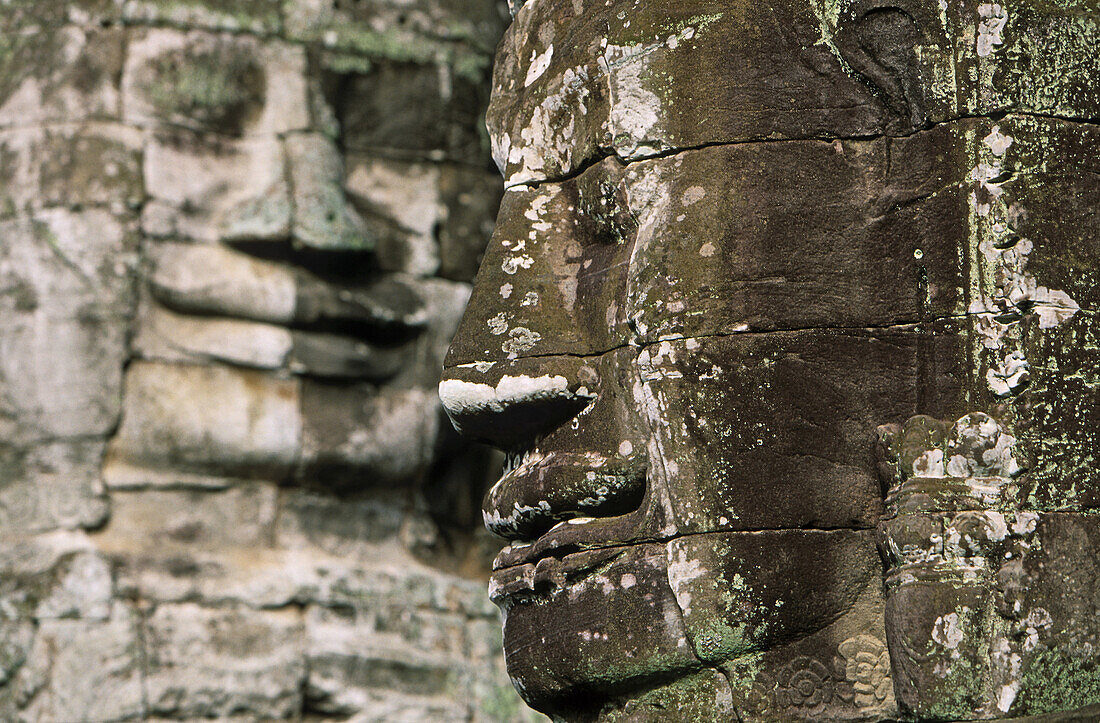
221,87
1057,680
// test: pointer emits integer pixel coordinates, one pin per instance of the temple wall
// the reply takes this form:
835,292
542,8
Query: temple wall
226,489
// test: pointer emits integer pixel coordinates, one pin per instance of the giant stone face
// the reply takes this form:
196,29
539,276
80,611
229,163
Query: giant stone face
786,301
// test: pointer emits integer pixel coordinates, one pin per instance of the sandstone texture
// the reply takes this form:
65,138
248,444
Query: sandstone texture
788,329
235,240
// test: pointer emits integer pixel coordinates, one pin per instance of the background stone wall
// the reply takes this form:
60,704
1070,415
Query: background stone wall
226,490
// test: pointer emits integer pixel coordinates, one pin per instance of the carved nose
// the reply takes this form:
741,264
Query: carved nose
508,405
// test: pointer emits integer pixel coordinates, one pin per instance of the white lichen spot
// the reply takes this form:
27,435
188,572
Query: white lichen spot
693,195
538,66
1025,523
520,339
682,571
531,298
946,631
997,528
635,109
707,250
498,324
991,22
1053,306
1006,696
929,464
998,142
626,448
1008,375
512,264
505,291
627,581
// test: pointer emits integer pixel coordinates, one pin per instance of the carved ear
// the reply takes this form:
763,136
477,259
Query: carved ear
879,43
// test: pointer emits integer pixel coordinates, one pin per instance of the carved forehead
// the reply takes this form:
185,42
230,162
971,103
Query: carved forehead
578,79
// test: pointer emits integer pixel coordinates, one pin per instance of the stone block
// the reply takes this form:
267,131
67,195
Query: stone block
349,529
208,419
211,189
349,660
234,85
54,576
51,485
211,545
421,109
323,218
164,335
87,164
260,17
212,280
63,345
592,621
214,662
401,203
83,670
54,73
382,27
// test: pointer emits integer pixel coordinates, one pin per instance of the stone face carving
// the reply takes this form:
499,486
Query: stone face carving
235,240
736,239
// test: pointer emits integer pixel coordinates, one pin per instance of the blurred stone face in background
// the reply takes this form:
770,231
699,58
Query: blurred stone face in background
235,241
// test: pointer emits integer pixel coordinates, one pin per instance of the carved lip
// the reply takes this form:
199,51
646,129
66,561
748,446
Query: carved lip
524,582
540,489
566,553
565,537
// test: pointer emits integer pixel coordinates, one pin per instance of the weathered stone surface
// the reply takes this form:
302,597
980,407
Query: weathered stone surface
226,84
193,192
640,82
70,165
220,419
211,663
414,109
83,670
63,342
737,239
757,255
57,72
51,485
208,280
621,624
355,27
253,16
405,197
226,190
323,218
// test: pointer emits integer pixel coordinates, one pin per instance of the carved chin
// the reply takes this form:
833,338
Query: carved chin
574,643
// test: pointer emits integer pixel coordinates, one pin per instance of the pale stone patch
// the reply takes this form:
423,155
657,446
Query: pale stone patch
215,279
237,191
538,65
208,417
991,24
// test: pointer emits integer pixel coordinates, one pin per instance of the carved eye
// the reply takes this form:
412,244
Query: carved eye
219,87
879,42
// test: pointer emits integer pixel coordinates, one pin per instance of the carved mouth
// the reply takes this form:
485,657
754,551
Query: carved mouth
529,581
542,492
572,549
269,306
